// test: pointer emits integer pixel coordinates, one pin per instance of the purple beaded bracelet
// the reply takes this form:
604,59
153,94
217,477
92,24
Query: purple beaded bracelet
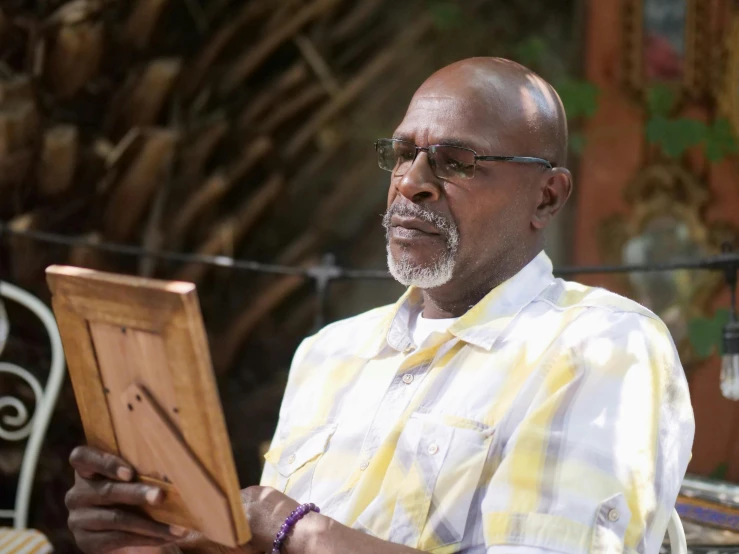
296,515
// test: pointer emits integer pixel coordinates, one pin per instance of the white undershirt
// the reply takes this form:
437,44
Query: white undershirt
423,328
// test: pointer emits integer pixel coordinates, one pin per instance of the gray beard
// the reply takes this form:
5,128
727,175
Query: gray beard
423,276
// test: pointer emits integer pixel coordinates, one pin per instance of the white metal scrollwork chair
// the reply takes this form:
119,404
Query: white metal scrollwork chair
24,426
678,543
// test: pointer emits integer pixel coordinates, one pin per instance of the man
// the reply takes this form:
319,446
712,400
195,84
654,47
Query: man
493,409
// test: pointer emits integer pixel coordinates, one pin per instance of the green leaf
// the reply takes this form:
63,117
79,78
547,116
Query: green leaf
701,335
577,143
656,128
530,51
446,14
720,141
660,100
720,472
675,136
705,334
580,98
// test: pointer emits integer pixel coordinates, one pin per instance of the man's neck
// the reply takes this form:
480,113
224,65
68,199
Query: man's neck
445,302
463,292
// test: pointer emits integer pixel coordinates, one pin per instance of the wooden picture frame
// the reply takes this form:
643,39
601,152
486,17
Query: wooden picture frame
142,376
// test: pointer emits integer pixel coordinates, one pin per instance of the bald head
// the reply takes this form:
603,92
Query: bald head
513,106
457,228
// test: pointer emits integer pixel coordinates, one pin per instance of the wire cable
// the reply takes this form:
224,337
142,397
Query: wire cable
722,262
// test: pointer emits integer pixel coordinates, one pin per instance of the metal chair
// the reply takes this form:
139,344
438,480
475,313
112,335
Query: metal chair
32,428
678,543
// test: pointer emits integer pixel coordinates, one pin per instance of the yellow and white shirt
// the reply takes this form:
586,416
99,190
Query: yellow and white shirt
550,417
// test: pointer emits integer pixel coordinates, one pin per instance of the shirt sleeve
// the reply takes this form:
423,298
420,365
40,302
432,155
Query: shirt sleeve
596,462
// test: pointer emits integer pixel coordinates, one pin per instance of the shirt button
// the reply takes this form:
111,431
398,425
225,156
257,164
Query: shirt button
407,378
433,448
291,459
364,465
613,515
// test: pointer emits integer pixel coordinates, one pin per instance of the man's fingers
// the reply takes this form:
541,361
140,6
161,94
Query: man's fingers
108,541
110,493
118,520
89,462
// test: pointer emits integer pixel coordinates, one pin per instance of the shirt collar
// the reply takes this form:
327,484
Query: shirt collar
481,325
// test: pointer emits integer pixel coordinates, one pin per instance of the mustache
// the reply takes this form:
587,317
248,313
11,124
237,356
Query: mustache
443,223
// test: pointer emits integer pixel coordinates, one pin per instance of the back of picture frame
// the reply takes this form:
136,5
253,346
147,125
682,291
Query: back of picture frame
140,367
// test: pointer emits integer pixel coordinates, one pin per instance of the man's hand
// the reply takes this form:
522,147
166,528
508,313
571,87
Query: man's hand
102,505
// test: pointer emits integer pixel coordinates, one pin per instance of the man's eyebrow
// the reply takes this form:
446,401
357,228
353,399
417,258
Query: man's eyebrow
444,142
456,142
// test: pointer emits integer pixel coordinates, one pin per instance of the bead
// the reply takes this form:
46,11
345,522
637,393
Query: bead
296,515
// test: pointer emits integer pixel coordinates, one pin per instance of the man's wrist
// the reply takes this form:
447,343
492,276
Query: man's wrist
307,535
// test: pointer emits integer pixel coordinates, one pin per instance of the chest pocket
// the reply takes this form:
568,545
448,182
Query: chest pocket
430,483
295,458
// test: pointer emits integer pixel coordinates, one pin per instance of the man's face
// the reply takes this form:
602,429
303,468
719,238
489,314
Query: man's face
439,229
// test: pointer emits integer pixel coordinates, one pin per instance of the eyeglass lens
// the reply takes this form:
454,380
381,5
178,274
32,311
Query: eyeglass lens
447,162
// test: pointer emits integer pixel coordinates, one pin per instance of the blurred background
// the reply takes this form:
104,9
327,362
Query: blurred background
245,129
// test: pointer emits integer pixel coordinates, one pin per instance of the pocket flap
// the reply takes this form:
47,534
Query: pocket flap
301,447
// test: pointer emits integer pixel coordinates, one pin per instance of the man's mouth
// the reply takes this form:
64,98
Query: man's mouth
411,226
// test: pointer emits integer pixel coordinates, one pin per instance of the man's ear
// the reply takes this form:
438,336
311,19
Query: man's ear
555,187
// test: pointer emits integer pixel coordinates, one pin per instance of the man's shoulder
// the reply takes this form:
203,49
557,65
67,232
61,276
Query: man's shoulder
598,320
348,336
598,312
571,295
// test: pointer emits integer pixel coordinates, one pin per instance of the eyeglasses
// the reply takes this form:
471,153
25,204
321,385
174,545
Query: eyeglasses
447,162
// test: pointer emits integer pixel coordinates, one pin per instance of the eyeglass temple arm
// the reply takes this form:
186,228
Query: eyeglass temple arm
518,159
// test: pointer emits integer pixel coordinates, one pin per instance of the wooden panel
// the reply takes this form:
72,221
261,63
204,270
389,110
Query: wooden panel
121,332
189,352
127,356
83,372
205,501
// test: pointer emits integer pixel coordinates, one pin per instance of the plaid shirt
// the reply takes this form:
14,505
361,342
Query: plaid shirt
550,417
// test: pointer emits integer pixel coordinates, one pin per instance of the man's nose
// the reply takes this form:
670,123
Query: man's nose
419,184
